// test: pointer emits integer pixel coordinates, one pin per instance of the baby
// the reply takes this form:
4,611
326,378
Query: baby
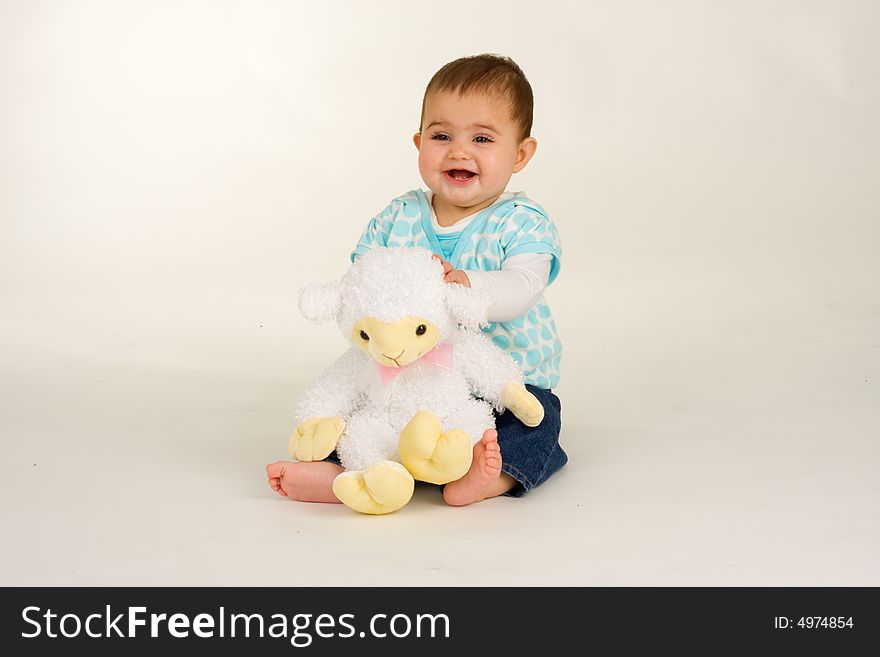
475,133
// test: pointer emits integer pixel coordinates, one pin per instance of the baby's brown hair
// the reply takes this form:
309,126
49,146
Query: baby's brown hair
487,73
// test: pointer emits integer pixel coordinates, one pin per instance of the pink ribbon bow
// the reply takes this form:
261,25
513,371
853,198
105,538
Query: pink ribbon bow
441,356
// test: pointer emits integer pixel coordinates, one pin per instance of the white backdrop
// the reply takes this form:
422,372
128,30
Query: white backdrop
172,172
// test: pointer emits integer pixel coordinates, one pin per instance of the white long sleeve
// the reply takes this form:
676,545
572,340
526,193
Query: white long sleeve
517,287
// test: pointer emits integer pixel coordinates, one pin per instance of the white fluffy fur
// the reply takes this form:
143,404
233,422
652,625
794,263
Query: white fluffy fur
389,284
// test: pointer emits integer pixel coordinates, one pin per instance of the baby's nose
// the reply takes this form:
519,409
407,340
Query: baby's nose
459,152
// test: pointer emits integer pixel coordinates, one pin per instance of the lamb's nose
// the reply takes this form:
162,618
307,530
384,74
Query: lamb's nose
394,358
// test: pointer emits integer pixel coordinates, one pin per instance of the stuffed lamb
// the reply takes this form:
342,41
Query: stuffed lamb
417,388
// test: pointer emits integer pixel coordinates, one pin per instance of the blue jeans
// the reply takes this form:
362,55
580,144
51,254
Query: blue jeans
529,454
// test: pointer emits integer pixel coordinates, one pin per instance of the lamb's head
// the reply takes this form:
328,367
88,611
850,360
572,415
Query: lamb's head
394,305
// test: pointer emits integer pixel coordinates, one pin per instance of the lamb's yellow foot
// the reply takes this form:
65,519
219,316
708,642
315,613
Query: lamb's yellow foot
315,438
432,456
523,404
382,488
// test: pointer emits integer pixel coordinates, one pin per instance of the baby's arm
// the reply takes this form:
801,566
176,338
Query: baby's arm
514,289
517,287
376,233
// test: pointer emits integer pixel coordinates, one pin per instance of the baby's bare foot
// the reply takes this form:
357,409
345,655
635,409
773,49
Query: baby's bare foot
277,473
304,481
484,479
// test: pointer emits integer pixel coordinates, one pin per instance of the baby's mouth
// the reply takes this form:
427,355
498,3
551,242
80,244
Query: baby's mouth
459,176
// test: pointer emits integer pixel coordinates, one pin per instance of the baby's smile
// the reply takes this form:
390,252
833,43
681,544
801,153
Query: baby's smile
460,176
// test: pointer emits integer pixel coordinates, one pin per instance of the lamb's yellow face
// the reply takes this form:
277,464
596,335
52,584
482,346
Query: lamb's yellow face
397,344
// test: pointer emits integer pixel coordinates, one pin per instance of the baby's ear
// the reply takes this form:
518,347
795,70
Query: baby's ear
468,306
319,302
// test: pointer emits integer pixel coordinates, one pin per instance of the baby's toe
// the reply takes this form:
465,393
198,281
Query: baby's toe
275,470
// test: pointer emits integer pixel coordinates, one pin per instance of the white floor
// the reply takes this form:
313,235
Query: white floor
707,450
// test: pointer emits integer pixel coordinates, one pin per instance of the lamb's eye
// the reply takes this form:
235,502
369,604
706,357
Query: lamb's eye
420,330
364,335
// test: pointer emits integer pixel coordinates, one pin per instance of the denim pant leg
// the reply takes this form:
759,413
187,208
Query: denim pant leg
531,454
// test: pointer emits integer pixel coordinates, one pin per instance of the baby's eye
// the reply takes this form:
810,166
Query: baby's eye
420,329
364,336
439,136
483,139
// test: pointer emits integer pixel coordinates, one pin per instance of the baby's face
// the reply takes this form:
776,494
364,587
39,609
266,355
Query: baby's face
468,149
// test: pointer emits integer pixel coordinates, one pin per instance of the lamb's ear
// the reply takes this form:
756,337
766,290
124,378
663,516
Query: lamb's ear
319,302
468,306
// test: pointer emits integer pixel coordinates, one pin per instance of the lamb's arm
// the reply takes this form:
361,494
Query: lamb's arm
337,391
494,376
487,369
322,408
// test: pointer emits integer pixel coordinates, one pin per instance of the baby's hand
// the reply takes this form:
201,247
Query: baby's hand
452,275
315,438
